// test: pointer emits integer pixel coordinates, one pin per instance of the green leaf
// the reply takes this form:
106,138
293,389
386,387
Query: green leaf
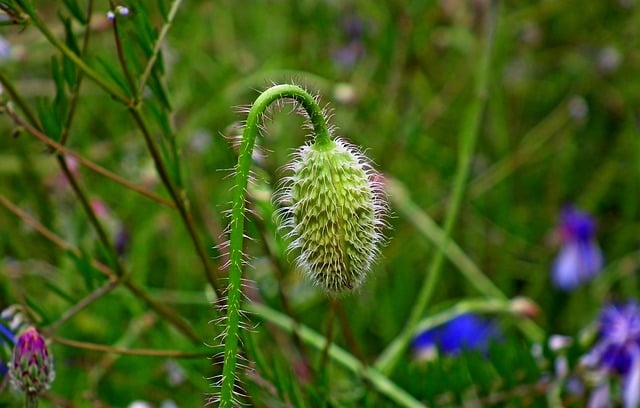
144,33
115,75
83,264
482,372
161,118
157,89
61,100
162,8
75,10
131,57
68,67
48,119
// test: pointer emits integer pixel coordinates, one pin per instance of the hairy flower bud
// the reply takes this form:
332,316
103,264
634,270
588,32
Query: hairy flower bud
334,208
31,368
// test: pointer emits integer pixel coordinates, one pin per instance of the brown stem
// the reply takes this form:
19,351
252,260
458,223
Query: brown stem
131,352
73,102
82,304
121,58
348,333
325,352
159,308
179,199
86,162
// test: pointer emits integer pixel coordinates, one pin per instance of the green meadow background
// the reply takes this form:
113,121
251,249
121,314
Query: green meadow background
559,125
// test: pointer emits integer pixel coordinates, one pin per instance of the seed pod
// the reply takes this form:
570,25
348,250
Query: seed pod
334,209
31,369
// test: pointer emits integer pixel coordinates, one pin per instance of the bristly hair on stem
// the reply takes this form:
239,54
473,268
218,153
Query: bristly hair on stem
334,208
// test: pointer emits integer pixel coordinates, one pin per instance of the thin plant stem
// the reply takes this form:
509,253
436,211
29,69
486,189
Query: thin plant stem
83,304
90,72
345,327
130,352
324,360
480,306
469,270
469,134
138,292
378,381
75,93
234,289
58,147
156,48
31,400
121,58
51,236
279,268
34,179
118,95
7,87
91,214
180,200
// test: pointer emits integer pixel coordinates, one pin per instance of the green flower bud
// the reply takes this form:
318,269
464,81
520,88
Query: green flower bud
334,209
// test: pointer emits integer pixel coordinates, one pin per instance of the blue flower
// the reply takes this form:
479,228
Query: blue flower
618,348
580,258
6,339
465,332
5,49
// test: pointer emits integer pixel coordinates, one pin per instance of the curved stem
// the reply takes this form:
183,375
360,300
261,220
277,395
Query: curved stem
234,293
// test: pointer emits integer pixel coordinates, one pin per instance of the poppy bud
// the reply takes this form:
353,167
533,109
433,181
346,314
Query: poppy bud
334,208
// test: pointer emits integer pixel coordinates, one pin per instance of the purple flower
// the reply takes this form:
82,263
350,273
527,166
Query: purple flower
31,367
580,258
618,348
464,332
352,48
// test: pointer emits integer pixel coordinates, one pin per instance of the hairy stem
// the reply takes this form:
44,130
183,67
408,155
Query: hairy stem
234,291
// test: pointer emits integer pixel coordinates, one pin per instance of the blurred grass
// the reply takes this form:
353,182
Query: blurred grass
561,126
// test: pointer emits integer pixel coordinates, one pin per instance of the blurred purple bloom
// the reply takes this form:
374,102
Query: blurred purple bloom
352,48
580,258
31,367
618,348
122,241
465,332
5,49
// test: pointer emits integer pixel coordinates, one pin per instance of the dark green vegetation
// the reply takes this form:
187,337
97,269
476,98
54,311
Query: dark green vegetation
559,124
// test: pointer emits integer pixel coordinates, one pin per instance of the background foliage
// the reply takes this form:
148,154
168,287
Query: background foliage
560,125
